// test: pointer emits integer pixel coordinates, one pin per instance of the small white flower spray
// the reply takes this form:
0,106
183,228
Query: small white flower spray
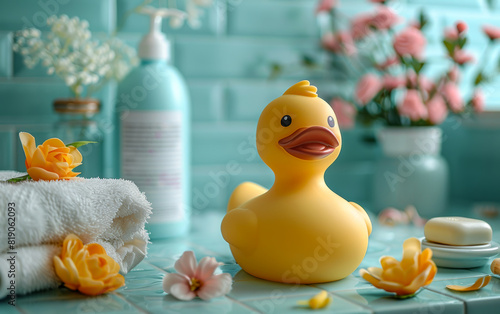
86,64
69,51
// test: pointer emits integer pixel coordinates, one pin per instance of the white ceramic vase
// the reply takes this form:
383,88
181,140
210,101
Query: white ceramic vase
412,171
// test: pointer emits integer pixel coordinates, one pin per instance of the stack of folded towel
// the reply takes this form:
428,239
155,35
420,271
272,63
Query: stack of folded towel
110,212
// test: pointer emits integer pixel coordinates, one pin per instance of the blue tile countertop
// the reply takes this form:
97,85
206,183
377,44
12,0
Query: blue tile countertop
143,291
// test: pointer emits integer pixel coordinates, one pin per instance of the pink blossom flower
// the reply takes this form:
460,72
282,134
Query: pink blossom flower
368,86
410,41
415,24
461,27
412,106
423,82
461,57
454,74
426,84
437,109
340,42
326,5
196,280
360,26
452,95
451,33
392,82
491,31
411,79
329,42
344,111
478,100
387,63
385,18
392,216
347,43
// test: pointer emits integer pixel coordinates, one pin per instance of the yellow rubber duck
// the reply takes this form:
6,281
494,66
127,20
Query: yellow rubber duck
299,231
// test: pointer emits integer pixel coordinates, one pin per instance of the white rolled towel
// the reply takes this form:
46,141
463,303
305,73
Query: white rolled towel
111,212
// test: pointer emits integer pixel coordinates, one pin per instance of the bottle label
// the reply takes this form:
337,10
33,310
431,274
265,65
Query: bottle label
151,157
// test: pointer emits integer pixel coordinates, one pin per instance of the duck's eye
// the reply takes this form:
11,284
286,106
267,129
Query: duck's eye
331,121
286,121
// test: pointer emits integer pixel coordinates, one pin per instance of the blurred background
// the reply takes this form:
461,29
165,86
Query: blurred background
244,54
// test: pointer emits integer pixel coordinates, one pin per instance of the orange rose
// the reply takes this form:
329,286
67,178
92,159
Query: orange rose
87,268
50,161
415,270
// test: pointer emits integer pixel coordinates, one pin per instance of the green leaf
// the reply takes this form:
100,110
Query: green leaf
491,4
19,179
422,19
417,65
404,61
308,61
276,70
80,143
461,42
478,79
450,47
481,78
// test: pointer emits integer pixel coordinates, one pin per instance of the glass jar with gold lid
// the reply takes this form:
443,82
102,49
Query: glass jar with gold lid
77,122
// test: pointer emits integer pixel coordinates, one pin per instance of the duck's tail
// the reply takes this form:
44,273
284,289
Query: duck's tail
243,193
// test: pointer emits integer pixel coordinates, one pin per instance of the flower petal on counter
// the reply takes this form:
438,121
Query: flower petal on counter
318,301
480,283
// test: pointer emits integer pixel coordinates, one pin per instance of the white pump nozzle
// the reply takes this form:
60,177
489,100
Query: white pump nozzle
154,45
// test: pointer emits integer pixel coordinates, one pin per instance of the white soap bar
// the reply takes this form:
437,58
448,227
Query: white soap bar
457,231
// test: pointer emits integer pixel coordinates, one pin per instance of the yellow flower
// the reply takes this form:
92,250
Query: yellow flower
318,301
415,270
87,268
50,161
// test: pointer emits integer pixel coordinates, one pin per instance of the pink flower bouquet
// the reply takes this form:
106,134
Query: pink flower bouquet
388,60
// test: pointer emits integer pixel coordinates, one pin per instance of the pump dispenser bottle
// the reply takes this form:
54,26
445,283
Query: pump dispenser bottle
153,118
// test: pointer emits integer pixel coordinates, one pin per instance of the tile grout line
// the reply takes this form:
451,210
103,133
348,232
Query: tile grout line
467,277
230,298
263,298
464,302
242,304
352,302
202,248
156,267
448,295
349,289
10,75
287,295
121,296
305,295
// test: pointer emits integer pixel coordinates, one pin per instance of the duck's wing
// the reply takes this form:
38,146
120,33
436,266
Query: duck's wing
239,228
363,214
243,193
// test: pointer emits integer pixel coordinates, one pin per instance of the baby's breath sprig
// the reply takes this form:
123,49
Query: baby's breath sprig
69,51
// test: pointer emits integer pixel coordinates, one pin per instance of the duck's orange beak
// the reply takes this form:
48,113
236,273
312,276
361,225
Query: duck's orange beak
310,143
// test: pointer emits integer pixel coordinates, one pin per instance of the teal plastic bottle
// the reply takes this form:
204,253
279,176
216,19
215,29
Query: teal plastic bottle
153,145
